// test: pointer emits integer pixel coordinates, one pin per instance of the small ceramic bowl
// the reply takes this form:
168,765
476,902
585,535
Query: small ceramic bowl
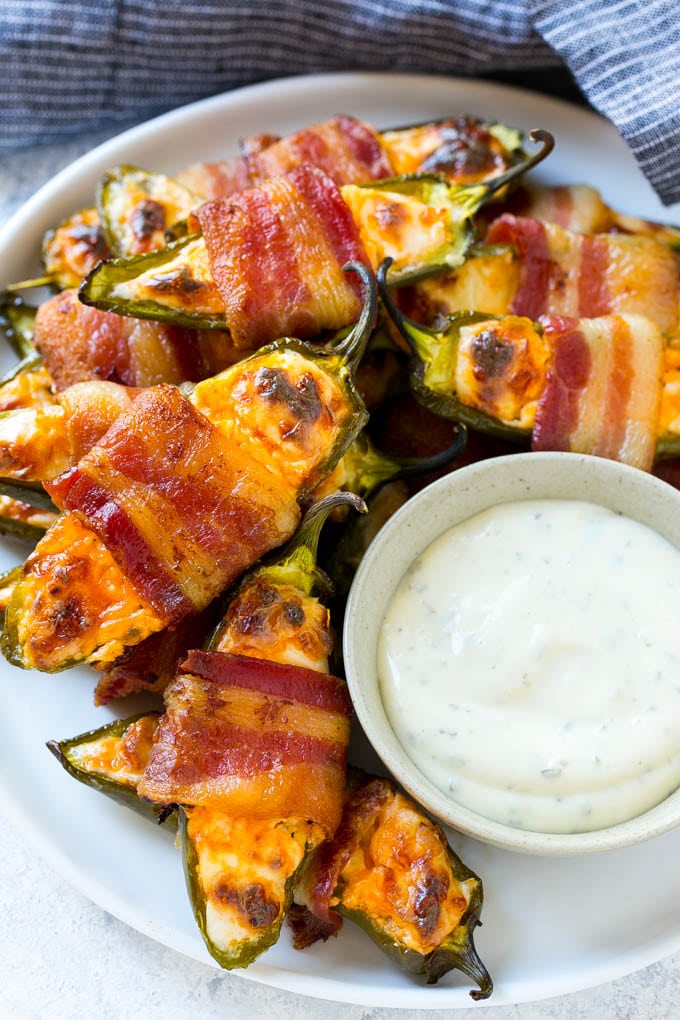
413,528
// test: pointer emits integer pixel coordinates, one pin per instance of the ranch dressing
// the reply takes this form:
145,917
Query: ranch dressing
529,663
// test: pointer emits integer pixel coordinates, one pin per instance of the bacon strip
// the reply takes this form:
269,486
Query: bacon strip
308,686
276,254
530,241
216,180
566,273
574,207
91,408
244,736
603,389
79,343
346,149
321,878
594,298
181,516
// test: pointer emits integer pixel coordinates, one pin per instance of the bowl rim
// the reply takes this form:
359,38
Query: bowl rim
508,478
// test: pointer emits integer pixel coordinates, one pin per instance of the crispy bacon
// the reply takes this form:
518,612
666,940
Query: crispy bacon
181,517
570,206
276,254
530,241
80,343
323,876
216,180
90,409
252,738
603,388
346,149
582,276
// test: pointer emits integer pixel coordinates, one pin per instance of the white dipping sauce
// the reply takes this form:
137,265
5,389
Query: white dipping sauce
529,663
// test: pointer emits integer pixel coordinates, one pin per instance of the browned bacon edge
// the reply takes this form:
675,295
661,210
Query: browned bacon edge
272,295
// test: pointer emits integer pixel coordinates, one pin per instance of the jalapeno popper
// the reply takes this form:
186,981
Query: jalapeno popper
461,149
180,496
210,279
390,869
241,867
528,267
605,385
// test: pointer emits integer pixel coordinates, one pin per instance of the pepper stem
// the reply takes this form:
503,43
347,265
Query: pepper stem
39,281
547,143
16,322
350,350
299,556
27,364
419,338
421,465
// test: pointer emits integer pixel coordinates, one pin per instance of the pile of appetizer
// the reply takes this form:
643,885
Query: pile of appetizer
224,362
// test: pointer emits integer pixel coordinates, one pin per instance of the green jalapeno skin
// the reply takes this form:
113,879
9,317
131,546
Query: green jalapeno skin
33,496
99,286
17,320
456,952
125,793
26,531
31,493
377,478
8,579
341,559
432,369
432,366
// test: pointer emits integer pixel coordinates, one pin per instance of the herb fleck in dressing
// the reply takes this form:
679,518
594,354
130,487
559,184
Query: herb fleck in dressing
529,663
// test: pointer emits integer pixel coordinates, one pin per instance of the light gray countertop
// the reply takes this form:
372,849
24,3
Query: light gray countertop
62,956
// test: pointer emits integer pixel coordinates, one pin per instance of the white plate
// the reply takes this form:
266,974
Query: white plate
550,926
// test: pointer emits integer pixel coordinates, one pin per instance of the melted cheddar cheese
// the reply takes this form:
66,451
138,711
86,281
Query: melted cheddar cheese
399,874
183,283
243,870
74,603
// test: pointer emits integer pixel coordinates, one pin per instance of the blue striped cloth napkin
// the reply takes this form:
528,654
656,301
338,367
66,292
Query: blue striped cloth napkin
72,65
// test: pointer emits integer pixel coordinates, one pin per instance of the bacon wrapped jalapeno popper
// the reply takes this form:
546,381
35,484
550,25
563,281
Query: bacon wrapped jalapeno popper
180,496
463,150
241,869
390,869
531,268
210,278
600,385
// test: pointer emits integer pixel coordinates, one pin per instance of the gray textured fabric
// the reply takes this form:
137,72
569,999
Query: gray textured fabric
70,65
625,55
